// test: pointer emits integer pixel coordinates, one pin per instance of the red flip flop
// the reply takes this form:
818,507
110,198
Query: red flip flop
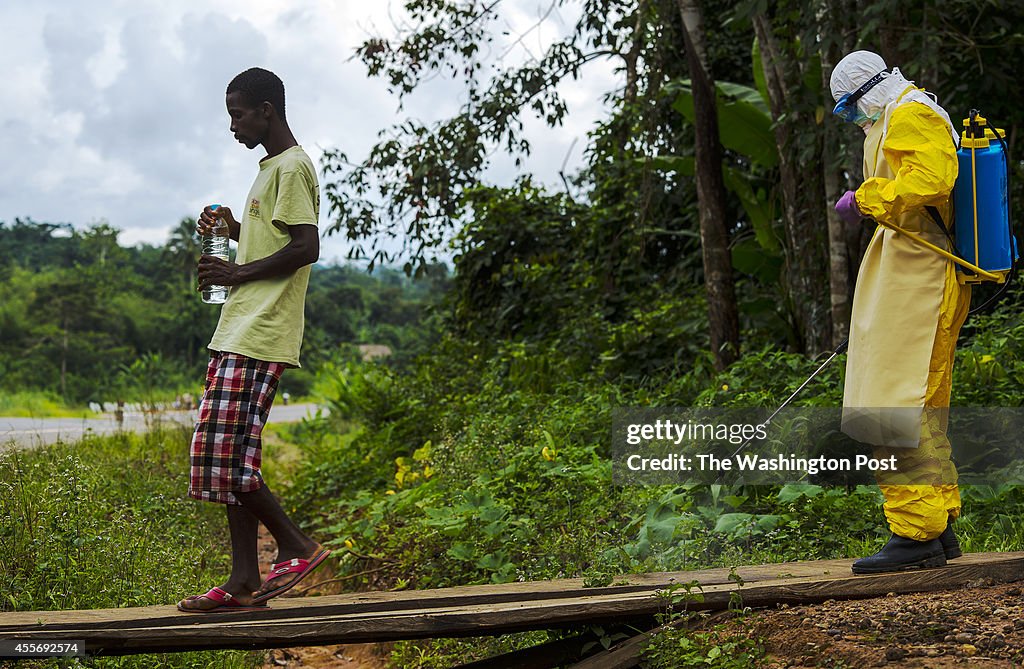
226,603
293,566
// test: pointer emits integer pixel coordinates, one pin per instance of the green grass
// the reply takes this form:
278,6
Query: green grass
39,404
106,522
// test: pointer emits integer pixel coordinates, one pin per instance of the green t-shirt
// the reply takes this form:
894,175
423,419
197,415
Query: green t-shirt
263,319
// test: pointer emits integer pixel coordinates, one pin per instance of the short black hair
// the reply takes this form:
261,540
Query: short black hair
258,86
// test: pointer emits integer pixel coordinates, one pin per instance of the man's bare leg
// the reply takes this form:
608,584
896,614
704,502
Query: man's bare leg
245,569
292,542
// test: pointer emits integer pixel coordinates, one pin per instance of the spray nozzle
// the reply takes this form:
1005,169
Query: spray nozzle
976,124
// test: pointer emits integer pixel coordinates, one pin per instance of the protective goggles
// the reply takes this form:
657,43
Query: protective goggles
846,107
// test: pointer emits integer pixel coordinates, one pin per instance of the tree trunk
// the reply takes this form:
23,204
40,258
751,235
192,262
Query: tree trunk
857,236
806,271
831,13
723,314
840,290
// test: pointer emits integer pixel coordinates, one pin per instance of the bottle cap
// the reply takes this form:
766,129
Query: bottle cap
213,207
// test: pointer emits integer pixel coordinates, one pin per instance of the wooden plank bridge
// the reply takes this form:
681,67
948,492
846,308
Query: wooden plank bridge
480,610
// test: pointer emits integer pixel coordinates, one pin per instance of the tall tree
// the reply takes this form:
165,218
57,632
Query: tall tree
193,317
834,22
418,173
183,250
723,314
797,109
643,236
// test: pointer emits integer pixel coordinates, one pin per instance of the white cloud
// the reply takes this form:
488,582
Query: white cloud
115,111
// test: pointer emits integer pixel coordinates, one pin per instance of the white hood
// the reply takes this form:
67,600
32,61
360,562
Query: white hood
856,68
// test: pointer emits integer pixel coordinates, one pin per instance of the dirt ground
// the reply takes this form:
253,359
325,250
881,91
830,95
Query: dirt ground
350,656
354,656
981,626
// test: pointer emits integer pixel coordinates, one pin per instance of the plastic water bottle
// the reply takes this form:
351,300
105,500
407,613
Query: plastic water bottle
216,244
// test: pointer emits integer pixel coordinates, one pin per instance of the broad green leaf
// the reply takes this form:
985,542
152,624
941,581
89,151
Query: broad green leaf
746,94
743,127
792,491
759,209
491,513
492,561
732,523
751,258
767,522
661,522
758,70
462,550
681,164
735,501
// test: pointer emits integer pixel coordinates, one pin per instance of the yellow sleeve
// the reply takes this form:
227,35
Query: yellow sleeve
920,151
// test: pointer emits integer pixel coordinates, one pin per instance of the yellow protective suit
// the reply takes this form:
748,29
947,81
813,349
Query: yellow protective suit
908,308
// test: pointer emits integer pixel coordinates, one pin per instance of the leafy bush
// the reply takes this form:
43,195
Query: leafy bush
989,369
715,648
488,461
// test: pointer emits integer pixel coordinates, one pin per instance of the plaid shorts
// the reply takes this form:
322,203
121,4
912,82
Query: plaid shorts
226,446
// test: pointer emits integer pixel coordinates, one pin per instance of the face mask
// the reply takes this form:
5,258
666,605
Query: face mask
865,122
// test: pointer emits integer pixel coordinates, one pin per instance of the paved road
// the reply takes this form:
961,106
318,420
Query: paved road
28,432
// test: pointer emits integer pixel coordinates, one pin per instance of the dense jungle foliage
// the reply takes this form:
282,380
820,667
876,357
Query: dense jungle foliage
483,453
84,319
488,459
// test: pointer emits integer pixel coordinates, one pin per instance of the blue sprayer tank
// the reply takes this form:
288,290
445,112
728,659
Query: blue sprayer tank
983,239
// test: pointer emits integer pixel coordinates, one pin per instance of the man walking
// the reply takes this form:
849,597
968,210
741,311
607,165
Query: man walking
258,336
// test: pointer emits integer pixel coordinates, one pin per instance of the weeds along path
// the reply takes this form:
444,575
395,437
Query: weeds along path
34,432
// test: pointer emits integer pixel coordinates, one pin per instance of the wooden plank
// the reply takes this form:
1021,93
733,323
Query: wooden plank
476,620
344,619
157,616
324,606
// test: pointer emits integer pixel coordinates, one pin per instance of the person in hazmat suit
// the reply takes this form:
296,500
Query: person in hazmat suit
907,308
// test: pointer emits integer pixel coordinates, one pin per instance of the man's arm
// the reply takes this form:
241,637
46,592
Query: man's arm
302,250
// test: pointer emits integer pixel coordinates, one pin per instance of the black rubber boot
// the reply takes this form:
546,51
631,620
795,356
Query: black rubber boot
900,554
950,546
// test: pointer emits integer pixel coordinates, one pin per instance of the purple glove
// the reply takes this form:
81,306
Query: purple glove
846,207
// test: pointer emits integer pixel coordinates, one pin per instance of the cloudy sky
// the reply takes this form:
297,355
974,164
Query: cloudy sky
115,110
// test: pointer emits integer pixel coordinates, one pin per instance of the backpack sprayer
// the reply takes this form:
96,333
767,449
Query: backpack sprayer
982,225
984,246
